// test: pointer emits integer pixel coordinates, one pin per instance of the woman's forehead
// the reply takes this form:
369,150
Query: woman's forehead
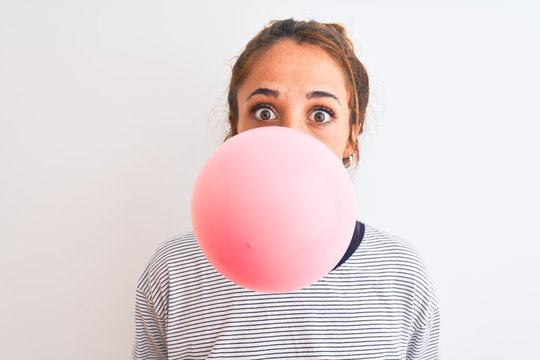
288,66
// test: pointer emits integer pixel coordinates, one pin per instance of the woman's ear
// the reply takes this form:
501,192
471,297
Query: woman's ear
233,127
352,144
352,147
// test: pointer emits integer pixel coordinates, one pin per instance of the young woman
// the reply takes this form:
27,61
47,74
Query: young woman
378,303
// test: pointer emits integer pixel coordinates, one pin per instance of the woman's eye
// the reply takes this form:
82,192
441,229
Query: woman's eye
320,116
264,114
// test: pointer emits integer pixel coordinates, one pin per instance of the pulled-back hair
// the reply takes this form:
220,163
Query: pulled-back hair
333,39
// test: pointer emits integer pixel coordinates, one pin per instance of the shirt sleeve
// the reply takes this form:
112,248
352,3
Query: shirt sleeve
151,311
424,342
150,339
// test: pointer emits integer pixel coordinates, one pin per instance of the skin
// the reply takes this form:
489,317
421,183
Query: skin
299,86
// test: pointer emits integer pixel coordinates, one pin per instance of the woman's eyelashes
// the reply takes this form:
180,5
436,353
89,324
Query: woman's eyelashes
262,112
319,115
322,115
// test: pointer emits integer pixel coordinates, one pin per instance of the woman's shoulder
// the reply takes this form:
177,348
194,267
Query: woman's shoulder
182,246
184,242
377,241
169,255
387,254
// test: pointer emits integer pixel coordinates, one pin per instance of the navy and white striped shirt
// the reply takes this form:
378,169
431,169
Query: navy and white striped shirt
378,304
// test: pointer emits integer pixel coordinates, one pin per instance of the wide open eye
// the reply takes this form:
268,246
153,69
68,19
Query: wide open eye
264,113
321,116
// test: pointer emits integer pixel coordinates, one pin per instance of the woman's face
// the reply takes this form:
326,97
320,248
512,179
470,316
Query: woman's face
299,86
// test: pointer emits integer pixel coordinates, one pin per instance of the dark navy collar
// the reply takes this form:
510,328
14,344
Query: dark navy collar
357,237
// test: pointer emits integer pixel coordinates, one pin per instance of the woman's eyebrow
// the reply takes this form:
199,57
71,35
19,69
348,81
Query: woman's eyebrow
321,94
264,91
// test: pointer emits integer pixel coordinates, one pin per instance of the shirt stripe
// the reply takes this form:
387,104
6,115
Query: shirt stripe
378,304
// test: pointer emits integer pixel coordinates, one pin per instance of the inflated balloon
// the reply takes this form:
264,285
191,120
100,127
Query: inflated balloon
273,209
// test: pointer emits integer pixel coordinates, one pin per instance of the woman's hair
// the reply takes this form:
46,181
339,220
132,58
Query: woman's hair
333,39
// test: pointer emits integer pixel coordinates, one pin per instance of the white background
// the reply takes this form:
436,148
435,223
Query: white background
108,109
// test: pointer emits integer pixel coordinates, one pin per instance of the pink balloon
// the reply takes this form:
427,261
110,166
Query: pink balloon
273,209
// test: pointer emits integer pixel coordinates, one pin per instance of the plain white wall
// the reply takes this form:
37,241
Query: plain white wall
109,108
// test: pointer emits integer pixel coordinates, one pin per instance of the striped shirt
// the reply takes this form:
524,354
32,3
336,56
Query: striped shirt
379,304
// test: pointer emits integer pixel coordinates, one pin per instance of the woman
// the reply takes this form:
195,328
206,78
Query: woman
377,303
